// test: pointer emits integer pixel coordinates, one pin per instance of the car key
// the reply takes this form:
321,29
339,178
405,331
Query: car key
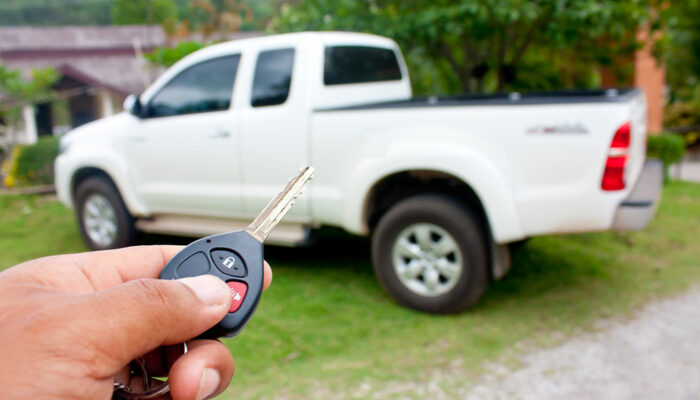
237,259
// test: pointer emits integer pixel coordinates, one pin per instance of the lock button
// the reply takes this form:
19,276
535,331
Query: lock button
229,262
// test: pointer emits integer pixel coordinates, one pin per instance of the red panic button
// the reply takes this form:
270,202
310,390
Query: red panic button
238,290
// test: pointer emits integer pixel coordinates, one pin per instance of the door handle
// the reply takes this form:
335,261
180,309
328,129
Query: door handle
218,133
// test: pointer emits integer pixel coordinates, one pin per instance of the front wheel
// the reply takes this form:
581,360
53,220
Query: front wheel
104,221
429,252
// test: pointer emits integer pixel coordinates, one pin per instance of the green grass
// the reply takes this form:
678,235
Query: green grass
326,324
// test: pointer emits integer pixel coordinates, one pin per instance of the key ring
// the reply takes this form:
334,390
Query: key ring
122,391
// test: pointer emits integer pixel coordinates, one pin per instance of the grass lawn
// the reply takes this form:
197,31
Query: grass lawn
326,326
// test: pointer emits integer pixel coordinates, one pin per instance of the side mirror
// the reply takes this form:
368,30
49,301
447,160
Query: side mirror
132,105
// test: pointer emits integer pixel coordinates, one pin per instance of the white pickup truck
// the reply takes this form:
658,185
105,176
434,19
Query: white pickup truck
443,185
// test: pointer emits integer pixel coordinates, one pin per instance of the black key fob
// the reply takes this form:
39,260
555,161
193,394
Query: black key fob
237,259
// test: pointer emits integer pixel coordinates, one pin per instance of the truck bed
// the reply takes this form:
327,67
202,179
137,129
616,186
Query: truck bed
548,154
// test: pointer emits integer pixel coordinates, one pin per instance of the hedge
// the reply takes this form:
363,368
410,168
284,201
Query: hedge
668,147
32,164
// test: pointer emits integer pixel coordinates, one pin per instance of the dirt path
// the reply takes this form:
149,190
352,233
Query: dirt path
656,355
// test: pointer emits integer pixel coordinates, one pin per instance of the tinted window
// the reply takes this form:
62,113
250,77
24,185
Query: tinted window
357,64
273,76
200,88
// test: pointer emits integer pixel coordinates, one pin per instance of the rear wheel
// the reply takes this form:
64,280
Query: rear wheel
430,254
104,221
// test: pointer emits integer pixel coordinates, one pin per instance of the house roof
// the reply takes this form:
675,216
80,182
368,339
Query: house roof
98,56
101,56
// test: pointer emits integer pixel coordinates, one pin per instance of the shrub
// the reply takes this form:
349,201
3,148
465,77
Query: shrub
167,56
667,147
684,118
32,164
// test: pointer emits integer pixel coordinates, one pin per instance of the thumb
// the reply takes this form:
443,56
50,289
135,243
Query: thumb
141,315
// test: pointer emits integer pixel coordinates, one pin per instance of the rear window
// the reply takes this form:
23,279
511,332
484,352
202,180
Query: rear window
273,77
359,64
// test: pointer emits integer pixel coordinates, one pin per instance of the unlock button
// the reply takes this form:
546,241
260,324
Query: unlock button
229,262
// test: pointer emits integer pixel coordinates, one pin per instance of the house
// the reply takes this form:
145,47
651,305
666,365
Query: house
99,67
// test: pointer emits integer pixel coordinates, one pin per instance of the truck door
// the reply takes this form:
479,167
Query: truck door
274,129
183,154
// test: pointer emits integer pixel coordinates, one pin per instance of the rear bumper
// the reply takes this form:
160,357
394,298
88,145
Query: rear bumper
637,210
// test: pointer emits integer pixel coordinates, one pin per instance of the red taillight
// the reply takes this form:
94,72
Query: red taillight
614,175
622,137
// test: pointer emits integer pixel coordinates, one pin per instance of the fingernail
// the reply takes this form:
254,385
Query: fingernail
210,289
209,383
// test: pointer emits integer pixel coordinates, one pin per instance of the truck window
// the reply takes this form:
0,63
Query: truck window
273,77
359,64
203,87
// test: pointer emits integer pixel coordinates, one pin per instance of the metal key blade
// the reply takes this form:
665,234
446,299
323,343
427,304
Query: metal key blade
271,215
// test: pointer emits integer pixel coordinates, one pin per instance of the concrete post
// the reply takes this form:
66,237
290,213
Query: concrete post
29,135
106,105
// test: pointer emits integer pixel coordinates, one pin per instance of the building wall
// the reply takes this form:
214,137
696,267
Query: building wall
650,76
647,75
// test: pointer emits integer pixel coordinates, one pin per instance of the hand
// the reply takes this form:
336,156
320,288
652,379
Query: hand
70,324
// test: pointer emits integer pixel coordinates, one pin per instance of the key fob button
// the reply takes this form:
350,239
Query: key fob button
229,262
238,291
195,265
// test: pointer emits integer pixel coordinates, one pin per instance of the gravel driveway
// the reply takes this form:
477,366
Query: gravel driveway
656,355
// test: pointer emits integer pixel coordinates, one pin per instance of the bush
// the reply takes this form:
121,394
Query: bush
667,147
33,164
167,56
684,118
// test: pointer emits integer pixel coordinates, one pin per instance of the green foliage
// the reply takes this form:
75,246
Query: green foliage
18,92
487,45
33,164
667,147
684,118
682,49
12,84
167,56
54,12
126,12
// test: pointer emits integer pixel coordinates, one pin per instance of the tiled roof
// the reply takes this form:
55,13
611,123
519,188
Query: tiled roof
101,56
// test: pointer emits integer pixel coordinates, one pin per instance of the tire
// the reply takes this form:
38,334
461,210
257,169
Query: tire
396,247
103,219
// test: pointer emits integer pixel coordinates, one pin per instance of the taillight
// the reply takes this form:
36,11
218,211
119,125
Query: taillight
614,175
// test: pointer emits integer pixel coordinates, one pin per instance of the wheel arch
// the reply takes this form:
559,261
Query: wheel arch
481,186
393,187
87,171
84,173
396,186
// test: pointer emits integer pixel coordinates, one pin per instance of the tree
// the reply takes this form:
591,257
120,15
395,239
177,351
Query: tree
54,12
17,92
127,12
483,45
167,56
682,50
211,18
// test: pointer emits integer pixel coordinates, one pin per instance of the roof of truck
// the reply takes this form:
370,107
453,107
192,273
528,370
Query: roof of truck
288,38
